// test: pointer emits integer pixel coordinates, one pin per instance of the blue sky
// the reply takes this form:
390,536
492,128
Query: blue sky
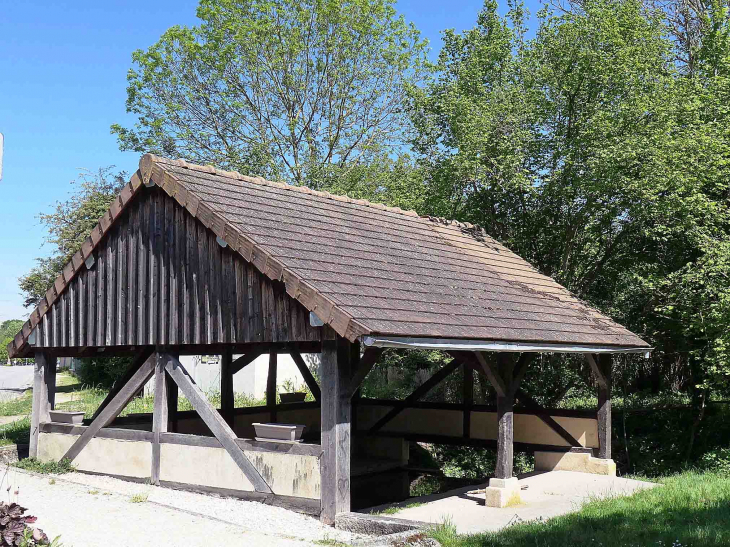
63,72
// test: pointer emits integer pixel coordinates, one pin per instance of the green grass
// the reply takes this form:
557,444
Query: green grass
398,509
17,432
138,498
54,468
689,510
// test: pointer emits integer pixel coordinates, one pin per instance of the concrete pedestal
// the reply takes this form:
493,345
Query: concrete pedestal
574,461
502,493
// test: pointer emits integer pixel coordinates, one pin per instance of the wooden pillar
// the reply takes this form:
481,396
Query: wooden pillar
271,386
159,416
336,423
172,396
604,406
505,419
44,396
227,397
468,398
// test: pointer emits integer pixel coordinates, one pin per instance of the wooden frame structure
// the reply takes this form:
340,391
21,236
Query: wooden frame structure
177,267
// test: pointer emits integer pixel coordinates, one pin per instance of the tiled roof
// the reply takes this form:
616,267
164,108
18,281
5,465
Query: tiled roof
368,269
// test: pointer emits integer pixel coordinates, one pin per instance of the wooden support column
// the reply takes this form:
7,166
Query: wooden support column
227,398
601,365
336,423
468,397
505,376
159,416
172,397
44,396
271,386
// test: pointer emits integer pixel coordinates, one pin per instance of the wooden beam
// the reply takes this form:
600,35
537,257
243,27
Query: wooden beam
367,362
244,360
227,396
424,388
44,395
521,369
505,416
604,407
468,397
159,416
495,378
215,422
531,403
306,374
336,423
271,387
603,381
172,397
137,362
115,406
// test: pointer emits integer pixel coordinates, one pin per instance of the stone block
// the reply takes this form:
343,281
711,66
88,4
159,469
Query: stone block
502,493
581,462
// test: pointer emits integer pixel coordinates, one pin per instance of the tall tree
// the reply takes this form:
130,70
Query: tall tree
297,89
69,224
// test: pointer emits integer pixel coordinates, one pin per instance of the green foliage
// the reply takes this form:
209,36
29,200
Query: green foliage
46,468
69,225
101,372
138,498
8,329
687,510
17,432
278,88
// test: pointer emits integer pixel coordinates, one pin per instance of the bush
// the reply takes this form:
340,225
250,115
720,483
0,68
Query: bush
101,371
14,529
716,460
55,468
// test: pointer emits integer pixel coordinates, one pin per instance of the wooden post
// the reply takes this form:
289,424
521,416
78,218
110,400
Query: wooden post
227,398
336,422
505,420
468,397
172,396
159,416
44,396
271,386
604,406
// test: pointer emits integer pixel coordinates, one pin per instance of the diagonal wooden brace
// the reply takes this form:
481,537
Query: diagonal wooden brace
215,422
115,406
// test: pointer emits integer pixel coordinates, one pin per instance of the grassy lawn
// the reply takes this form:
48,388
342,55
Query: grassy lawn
688,510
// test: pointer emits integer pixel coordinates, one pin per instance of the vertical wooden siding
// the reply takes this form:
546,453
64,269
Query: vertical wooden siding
160,277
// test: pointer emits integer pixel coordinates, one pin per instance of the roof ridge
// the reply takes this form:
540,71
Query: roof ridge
265,182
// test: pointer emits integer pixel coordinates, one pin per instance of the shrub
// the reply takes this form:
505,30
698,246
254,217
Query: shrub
14,529
36,466
716,460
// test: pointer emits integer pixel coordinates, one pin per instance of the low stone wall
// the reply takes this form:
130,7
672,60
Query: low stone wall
574,461
293,475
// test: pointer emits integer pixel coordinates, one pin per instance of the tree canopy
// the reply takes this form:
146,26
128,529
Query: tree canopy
292,89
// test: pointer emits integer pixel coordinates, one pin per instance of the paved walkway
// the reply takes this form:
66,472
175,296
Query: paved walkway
14,381
547,495
96,511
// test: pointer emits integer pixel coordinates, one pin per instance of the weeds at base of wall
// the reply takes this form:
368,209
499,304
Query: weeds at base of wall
46,468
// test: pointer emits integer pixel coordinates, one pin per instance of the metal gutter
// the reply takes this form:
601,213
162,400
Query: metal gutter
456,344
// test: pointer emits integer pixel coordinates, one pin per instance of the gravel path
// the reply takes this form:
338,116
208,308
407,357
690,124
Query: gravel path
91,511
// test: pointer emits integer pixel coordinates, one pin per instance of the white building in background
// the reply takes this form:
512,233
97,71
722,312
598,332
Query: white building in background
251,381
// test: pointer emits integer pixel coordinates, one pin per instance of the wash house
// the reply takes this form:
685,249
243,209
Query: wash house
191,260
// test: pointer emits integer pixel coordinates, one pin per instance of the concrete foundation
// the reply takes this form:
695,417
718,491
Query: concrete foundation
502,493
574,461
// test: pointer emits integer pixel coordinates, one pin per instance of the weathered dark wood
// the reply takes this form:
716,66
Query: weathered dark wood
160,278
367,362
215,422
300,505
530,403
227,396
245,360
306,374
271,386
44,396
336,435
105,433
117,404
468,397
172,398
138,361
159,416
491,370
604,406
424,388
300,449
521,367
